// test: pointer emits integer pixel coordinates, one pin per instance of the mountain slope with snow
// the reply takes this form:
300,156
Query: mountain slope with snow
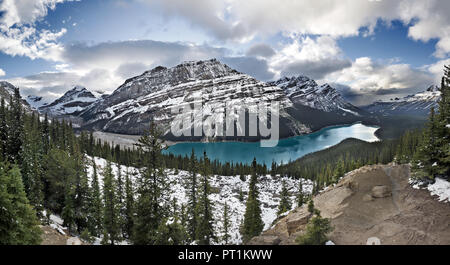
305,91
7,91
73,101
155,93
417,104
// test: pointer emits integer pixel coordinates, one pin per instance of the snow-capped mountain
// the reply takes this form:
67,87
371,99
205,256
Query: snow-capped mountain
72,102
36,101
305,91
7,90
152,95
417,104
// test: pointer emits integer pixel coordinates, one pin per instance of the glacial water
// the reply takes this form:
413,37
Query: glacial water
287,149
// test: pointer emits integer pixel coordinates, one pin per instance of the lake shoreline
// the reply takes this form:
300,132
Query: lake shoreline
169,143
287,149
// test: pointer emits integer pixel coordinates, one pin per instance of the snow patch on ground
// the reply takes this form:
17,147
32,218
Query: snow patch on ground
440,188
224,189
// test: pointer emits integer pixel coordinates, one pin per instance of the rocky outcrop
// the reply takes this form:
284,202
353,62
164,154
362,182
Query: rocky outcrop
373,204
381,192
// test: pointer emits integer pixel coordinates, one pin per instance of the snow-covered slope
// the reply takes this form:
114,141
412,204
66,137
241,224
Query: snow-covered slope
417,104
153,95
7,90
225,189
305,91
73,101
36,101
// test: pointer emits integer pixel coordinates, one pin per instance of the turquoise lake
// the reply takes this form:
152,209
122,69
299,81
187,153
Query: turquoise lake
287,149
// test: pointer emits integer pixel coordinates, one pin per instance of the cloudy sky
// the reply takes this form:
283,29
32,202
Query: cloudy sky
368,49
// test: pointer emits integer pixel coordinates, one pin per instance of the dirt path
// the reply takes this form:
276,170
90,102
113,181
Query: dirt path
406,216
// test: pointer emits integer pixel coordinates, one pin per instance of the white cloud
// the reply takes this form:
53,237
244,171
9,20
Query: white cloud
243,20
437,69
368,77
2,72
312,57
105,66
18,34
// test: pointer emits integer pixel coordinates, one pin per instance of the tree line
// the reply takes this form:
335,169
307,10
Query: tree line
44,169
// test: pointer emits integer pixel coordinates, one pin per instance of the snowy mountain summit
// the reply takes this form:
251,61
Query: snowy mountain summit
73,101
305,91
154,94
416,104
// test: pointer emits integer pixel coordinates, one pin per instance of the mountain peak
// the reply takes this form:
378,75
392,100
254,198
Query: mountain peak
433,88
305,91
74,100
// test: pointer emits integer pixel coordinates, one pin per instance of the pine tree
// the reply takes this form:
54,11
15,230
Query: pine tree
226,224
18,221
111,221
300,196
96,205
443,126
31,164
253,224
129,206
285,203
426,158
205,232
82,193
3,131
192,197
316,231
151,206
15,130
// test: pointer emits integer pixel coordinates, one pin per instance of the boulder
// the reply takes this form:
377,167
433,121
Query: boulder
265,240
294,223
381,192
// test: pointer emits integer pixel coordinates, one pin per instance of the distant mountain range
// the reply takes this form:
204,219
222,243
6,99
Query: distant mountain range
417,104
305,106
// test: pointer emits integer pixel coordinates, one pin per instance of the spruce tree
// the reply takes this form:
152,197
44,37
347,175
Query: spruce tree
3,131
285,203
205,231
31,164
192,206
96,205
152,201
82,193
129,206
226,224
111,217
300,196
253,224
18,221
15,130
426,158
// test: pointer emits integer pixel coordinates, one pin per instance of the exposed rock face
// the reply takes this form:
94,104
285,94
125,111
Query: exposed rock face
371,202
381,192
417,104
305,91
154,94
